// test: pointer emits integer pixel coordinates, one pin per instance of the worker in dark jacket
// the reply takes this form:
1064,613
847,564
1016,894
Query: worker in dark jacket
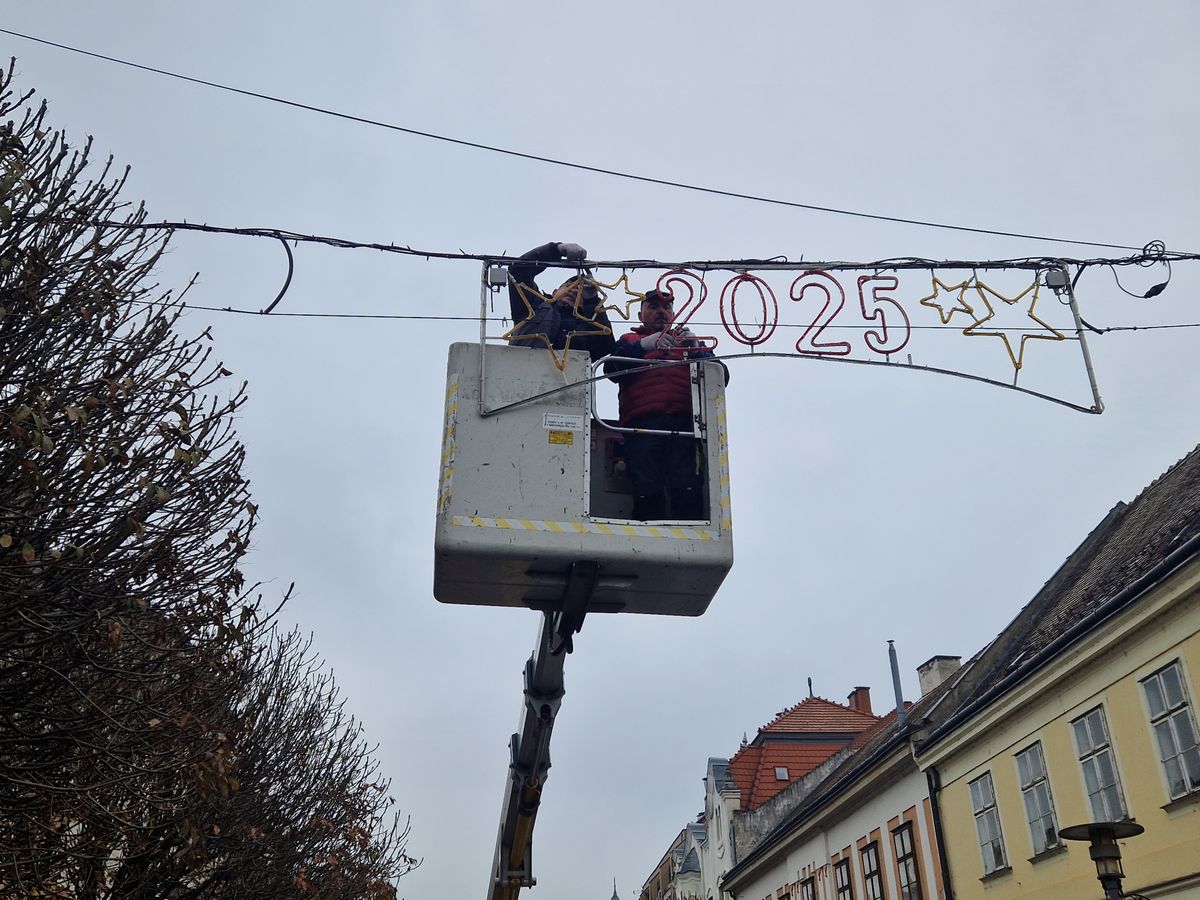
567,319
662,466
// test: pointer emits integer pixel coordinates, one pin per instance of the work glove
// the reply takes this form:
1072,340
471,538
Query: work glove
572,251
660,340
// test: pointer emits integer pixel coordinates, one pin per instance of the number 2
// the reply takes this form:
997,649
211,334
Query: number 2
822,281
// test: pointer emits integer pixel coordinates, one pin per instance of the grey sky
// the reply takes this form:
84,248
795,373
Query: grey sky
868,504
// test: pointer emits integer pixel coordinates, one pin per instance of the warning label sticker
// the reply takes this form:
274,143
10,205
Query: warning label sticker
562,437
562,422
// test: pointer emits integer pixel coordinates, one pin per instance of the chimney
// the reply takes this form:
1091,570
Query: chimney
936,670
860,699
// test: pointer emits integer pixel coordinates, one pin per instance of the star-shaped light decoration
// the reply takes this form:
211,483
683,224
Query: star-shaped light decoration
1017,358
560,360
945,308
623,284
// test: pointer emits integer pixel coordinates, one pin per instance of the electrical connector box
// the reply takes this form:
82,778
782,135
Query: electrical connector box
497,276
1056,279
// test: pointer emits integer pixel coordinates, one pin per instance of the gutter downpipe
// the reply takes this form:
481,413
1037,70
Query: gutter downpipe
1109,608
934,780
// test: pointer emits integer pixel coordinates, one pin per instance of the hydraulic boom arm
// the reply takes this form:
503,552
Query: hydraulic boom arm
530,747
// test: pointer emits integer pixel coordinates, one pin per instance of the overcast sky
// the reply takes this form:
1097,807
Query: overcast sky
868,504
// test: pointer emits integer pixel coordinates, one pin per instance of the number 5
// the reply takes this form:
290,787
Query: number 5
873,309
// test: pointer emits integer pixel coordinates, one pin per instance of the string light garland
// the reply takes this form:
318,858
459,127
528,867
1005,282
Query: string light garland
1144,257
1151,254
876,292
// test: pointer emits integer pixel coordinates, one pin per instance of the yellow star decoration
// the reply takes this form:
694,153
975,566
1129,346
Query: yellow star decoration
560,361
1017,358
623,283
944,310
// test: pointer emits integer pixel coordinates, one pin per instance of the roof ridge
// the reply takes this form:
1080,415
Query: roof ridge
814,699
998,652
1125,547
1169,470
885,721
758,770
741,752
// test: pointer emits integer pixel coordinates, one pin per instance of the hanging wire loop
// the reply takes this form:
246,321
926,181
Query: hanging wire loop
287,282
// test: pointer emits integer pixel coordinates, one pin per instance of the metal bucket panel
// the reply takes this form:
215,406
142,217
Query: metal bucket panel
516,487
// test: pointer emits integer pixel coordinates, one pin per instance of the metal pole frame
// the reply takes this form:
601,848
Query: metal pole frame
699,419
483,297
1097,402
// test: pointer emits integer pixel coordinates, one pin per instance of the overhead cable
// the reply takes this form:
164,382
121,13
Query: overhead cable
778,262
599,170
503,320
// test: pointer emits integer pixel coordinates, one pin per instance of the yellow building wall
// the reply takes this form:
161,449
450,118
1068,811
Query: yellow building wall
1165,860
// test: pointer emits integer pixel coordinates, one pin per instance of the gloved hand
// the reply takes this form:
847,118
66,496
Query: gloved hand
660,340
572,251
685,337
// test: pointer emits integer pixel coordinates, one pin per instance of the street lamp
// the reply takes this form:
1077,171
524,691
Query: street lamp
1105,851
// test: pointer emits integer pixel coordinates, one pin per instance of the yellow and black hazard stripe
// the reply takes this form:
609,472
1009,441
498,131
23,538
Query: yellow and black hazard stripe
448,444
616,529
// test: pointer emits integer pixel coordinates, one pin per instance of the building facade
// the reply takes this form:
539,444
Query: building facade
1084,710
798,741
861,827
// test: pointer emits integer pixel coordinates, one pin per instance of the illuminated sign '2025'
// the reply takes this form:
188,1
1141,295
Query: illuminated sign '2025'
890,335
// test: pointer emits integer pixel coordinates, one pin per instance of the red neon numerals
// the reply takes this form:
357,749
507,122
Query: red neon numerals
729,316
823,282
889,328
697,293
874,307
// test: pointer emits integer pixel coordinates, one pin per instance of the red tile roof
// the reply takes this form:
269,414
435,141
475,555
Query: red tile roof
782,742
819,714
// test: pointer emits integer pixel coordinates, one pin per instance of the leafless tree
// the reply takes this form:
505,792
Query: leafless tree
145,705
311,808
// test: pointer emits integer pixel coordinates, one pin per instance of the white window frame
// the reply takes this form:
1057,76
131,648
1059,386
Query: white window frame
1096,756
992,851
1171,718
1038,798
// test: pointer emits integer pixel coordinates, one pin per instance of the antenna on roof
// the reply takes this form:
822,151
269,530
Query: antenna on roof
810,693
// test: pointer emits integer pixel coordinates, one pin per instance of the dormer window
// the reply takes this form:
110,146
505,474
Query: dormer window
781,773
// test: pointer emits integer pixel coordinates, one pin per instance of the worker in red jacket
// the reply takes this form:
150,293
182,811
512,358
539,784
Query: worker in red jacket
663,467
